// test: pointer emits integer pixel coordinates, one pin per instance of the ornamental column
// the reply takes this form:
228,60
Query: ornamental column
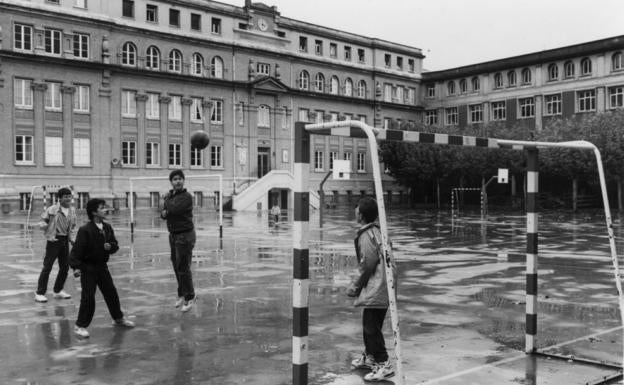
164,134
185,147
39,90
141,99
68,124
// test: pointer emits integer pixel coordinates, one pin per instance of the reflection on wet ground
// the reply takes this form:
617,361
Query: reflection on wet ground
461,303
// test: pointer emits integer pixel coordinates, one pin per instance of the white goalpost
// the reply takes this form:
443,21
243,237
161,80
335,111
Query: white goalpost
201,176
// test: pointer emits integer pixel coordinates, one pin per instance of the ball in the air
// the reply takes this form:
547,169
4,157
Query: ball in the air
199,140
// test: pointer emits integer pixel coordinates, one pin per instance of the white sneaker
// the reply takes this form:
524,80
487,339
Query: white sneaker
365,361
381,371
188,305
81,332
123,323
62,295
179,302
40,298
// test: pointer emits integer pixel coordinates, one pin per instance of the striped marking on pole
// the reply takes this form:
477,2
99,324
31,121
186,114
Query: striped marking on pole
301,257
531,249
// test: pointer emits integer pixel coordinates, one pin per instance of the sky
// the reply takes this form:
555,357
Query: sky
453,33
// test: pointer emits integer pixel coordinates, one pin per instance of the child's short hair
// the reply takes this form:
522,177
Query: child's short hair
368,208
173,173
92,205
63,191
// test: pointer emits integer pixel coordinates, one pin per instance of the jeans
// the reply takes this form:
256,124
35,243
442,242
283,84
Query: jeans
57,249
372,325
90,278
181,254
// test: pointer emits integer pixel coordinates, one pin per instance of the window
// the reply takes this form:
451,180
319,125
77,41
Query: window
217,112
53,97
198,65
527,107
175,108
361,55
361,89
400,98
498,80
82,152
53,1
511,78
152,60
553,104
450,88
387,92
53,150
152,154
586,100
347,156
175,61
80,3
52,41
151,13
586,67
197,112
127,8
333,50
616,61
216,156
215,26
348,86
526,76
175,154
319,82
128,104
387,60
152,106
197,158
451,116
499,111
174,18
128,153
476,84
347,53
463,86
334,85
476,113
318,160
304,115
319,116
430,90
81,99
318,47
333,155
23,94
411,95
431,117
303,44
216,67
22,37
387,121
616,97
264,69
553,72
195,22
361,162
410,65
81,45
568,69
264,116
24,149
304,80
128,54
399,62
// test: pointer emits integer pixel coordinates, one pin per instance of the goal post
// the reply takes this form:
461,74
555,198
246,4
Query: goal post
46,191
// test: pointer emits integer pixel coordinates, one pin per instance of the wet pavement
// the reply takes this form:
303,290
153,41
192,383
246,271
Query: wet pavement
461,303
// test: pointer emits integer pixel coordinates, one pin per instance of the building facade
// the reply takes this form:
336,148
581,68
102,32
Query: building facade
97,92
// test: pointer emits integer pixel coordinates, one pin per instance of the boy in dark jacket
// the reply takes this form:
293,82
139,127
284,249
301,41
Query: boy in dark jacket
94,244
178,211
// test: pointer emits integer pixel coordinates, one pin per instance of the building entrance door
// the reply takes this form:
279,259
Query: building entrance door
263,161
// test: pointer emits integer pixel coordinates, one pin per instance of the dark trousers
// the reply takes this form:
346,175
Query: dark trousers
58,249
92,277
372,325
182,245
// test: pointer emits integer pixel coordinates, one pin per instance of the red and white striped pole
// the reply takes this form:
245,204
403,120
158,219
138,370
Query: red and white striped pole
531,249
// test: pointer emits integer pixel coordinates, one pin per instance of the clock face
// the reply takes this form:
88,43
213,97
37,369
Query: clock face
262,24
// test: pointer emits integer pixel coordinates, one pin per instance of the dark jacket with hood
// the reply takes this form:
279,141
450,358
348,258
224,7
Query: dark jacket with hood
89,250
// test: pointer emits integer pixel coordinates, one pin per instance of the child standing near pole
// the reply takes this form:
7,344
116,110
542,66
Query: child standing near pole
371,292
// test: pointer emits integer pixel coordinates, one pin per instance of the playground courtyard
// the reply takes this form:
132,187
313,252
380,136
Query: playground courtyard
461,303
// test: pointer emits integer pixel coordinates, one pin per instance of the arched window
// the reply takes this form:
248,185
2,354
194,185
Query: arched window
264,116
568,69
511,78
361,89
304,80
348,87
175,61
616,62
216,67
319,82
153,58
463,86
450,88
553,72
198,65
526,76
476,84
128,54
498,80
586,66
334,84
